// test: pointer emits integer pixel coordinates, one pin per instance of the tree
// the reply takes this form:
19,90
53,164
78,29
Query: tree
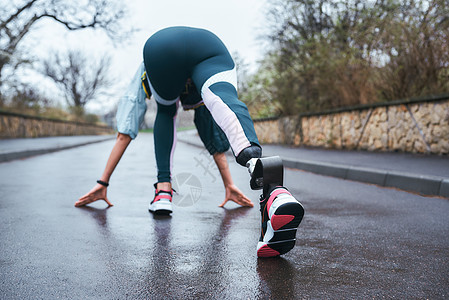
417,49
242,72
331,53
322,53
26,98
259,90
79,77
18,18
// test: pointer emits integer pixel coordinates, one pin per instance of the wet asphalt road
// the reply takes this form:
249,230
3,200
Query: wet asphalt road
356,240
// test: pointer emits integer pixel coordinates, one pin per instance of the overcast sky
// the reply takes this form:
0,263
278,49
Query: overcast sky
239,23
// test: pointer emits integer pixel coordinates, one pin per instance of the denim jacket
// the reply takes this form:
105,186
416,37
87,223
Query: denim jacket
132,107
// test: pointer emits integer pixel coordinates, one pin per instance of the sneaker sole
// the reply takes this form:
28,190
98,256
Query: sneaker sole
161,208
280,236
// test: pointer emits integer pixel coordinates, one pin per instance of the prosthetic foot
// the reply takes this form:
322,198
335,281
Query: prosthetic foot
281,212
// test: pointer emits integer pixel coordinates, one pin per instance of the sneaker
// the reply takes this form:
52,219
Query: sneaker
281,215
162,202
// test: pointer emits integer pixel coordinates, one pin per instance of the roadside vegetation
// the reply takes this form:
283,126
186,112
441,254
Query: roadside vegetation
77,75
326,54
320,55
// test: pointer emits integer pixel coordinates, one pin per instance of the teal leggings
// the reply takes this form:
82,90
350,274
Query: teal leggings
176,54
165,139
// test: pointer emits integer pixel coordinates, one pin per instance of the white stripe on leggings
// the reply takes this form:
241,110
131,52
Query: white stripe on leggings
158,98
229,76
226,119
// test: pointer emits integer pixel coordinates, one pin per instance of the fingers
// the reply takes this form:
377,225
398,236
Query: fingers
107,201
240,198
249,203
86,199
235,195
94,195
244,201
223,203
81,202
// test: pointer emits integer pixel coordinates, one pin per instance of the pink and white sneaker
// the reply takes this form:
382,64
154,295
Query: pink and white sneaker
281,215
162,202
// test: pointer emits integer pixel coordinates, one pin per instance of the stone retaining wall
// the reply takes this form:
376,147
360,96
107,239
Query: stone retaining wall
408,126
22,126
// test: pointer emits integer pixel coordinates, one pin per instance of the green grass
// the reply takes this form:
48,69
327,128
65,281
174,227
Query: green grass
149,130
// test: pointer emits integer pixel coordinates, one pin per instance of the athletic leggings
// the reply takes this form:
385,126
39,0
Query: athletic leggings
171,57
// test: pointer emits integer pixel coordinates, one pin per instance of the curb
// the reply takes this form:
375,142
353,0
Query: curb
425,185
5,157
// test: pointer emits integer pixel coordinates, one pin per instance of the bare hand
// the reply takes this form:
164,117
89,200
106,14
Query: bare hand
234,194
97,193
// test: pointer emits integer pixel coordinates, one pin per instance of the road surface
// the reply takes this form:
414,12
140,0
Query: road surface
356,240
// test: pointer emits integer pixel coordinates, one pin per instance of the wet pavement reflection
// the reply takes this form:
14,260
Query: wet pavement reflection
98,214
277,277
356,240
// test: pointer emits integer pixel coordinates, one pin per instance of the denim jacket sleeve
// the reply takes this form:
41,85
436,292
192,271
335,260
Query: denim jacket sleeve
132,107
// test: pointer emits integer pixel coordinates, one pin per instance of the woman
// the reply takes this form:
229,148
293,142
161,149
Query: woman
193,66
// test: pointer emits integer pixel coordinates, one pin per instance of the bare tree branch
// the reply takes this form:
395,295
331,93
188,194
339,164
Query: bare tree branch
27,5
17,21
81,79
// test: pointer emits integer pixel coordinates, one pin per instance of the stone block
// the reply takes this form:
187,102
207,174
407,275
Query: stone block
328,169
435,148
419,147
387,129
444,146
366,175
435,118
378,144
444,188
412,182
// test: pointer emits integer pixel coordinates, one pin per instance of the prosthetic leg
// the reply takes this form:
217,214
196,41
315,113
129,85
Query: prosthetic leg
267,172
281,212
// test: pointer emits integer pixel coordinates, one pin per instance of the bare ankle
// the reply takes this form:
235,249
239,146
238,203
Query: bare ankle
164,186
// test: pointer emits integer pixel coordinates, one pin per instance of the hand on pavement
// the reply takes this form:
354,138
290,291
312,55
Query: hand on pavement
97,193
234,194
